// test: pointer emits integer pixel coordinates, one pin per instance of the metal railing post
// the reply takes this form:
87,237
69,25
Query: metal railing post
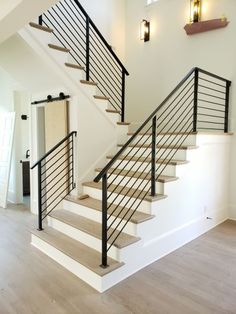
104,221
123,97
41,20
195,101
40,220
87,49
153,165
226,124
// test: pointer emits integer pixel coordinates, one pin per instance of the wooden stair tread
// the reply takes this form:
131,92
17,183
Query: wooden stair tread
93,228
41,27
138,217
88,82
173,162
60,48
112,111
74,66
126,191
141,175
101,97
123,123
183,147
81,253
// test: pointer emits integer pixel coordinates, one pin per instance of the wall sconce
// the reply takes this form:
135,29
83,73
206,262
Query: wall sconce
195,11
145,30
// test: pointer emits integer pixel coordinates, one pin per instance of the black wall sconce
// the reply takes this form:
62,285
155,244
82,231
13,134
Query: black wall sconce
145,30
195,11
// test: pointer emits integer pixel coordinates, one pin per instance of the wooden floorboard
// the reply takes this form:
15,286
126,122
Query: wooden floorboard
198,278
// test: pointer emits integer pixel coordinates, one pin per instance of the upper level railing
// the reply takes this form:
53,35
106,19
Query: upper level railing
75,30
199,102
55,176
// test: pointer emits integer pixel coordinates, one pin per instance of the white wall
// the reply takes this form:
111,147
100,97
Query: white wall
16,14
158,65
7,85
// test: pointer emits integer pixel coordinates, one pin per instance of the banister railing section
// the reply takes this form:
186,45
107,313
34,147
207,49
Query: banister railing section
199,102
75,30
55,176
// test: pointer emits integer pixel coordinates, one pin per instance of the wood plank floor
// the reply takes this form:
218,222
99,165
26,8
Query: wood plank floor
198,278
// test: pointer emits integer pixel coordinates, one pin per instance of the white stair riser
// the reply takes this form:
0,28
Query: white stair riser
82,237
114,117
103,104
95,215
44,37
170,170
162,153
166,139
89,90
75,74
136,183
59,56
69,263
144,207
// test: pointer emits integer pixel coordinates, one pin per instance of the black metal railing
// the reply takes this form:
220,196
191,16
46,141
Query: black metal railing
55,176
75,30
199,102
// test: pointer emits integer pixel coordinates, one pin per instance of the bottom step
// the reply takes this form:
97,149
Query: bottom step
76,257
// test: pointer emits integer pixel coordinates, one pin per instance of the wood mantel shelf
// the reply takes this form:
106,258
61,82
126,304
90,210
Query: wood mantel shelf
205,26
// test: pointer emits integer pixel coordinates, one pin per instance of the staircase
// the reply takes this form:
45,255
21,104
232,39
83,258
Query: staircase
126,217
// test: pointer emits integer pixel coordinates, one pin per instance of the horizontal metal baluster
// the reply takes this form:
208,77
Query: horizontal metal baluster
118,184
113,95
170,144
65,147
44,180
48,198
60,192
107,92
212,89
129,160
75,19
106,61
142,136
173,113
203,79
209,95
211,109
173,102
56,183
105,48
211,122
210,115
210,102
69,45
107,78
56,162
69,190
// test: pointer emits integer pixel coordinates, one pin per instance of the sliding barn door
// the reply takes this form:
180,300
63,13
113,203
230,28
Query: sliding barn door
7,125
56,168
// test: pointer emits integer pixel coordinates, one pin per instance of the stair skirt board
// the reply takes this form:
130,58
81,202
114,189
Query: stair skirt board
136,256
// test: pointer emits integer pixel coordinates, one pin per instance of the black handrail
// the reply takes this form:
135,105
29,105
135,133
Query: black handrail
75,30
134,178
55,176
